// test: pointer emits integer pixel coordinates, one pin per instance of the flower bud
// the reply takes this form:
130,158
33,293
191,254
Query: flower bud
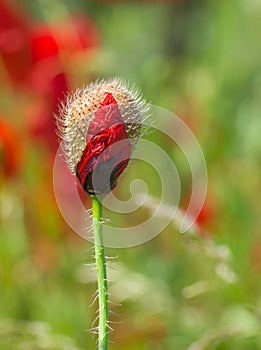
99,126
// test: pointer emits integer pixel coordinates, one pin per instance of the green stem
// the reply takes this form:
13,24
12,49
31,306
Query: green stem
101,274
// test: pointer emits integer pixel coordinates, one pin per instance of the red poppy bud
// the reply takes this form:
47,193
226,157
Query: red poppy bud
99,127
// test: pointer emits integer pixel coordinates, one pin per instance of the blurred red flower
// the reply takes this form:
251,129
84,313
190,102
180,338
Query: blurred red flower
53,45
24,43
41,113
10,154
14,43
37,58
75,34
208,213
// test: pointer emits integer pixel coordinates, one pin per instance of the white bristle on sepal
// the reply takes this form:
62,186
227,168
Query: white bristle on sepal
77,112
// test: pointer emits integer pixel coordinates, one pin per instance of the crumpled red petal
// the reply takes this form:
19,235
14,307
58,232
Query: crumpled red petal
103,160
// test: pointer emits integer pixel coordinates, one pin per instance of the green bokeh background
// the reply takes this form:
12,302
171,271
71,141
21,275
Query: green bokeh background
200,60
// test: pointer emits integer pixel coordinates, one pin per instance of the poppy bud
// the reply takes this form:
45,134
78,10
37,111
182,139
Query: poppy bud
99,126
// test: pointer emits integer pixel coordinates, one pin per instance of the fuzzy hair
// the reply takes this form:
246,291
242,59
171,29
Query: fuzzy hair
79,109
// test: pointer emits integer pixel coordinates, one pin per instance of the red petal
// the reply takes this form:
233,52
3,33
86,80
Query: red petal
106,129
107,114
44,46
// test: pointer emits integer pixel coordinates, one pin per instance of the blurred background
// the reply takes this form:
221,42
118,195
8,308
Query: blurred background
198,59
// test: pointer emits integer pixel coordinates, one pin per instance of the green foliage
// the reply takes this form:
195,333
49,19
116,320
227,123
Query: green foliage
200,60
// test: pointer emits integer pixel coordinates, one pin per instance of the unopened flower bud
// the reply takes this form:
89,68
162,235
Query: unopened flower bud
99,126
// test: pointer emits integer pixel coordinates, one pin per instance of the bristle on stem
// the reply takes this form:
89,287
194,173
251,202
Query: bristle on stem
101,274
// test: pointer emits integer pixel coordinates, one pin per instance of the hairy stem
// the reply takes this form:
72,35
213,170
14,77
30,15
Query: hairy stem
101,274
